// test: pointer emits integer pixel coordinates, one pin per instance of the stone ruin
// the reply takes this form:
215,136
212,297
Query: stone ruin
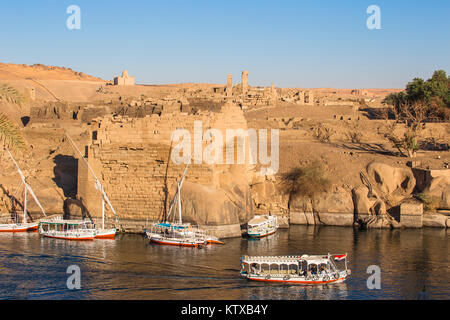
132,157
301,97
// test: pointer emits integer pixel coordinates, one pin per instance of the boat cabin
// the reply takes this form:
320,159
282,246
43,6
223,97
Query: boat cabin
288,266
61,225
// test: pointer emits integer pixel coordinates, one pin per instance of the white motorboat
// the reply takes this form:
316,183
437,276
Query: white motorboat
60,228
262,226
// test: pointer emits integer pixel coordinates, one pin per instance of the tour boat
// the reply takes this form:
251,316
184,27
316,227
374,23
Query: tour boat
173,235
13,224
101,232
262,226
177,233
304,270
60,228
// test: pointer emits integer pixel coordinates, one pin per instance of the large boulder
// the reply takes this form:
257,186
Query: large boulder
331,208
268,198
438,187
391,184
206,205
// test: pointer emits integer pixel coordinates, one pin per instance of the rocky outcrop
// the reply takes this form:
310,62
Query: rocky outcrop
436,220
332,208
435,184
268,198
391,184
206,205
383,188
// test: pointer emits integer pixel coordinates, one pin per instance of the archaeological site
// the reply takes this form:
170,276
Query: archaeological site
345,157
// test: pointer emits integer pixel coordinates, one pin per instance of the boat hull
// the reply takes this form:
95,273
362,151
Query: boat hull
174,242
259,235
105,234
296,281
214,241
29,227
71,238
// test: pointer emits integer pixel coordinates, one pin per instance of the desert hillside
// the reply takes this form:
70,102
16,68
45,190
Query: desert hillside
10,71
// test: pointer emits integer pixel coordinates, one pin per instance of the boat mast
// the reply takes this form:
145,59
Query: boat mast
24,205
180,184
27,186
179,203
98,185
177,194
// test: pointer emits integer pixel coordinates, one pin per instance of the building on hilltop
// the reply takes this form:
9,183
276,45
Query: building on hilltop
124,80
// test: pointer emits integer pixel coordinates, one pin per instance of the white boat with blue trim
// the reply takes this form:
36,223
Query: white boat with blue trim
262,226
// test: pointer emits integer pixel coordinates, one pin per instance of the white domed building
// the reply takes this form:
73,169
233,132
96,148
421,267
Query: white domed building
124,80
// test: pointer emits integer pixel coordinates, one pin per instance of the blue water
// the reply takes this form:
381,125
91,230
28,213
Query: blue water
33,267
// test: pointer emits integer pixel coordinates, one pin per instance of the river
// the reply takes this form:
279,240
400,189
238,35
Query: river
33,267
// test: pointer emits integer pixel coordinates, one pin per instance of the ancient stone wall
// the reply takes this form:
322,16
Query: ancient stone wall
131,157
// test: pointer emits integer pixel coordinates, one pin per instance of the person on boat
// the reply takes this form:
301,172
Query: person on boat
323,271
313,269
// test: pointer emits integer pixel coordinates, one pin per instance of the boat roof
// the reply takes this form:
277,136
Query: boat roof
285,259
259,219
65,221
172,225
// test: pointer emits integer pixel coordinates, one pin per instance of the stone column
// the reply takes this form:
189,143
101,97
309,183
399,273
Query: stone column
230,86
244,82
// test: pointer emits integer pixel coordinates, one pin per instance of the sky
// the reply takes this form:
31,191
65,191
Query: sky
290,43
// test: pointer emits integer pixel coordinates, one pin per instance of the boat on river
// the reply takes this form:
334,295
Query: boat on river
302,270
175,232
174,235
15,223
262,226
65,229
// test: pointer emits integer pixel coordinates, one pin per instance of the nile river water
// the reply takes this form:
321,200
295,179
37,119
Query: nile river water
33,267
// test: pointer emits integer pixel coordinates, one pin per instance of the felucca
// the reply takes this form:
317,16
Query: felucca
177,233
14,225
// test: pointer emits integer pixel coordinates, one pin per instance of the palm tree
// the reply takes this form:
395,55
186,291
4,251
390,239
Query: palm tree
10,134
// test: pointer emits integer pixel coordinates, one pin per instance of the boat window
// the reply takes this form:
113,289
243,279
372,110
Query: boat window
312,267
265,267
284,269
293,269
274,268
254,268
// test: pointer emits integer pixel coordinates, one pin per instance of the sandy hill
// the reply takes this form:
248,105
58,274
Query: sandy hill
9,71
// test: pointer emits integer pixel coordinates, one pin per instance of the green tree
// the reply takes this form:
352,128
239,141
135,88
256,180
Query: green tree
307,181
10,134
433,93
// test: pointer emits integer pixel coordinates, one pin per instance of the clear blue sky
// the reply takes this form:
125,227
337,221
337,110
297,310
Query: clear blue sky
299,43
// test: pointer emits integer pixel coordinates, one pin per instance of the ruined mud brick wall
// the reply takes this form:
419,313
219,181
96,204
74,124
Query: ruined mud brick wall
131,157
